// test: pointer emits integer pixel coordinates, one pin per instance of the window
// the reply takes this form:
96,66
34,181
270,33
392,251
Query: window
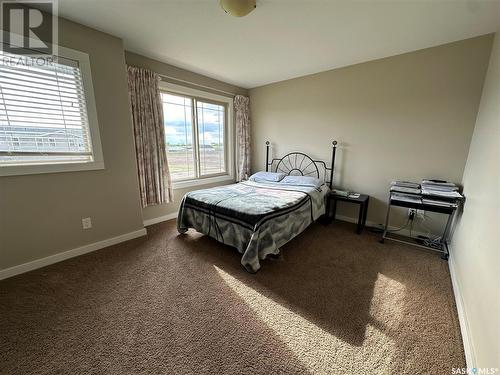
47,115
196,136
179,136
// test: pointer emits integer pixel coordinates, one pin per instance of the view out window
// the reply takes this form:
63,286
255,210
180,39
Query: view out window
43,114
195,136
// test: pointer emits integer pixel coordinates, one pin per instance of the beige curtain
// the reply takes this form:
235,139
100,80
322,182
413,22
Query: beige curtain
147,116
242,111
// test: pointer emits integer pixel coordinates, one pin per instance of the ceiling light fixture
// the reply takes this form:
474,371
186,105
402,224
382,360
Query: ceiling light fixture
238,8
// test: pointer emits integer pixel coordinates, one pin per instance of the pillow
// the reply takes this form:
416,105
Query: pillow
302,181
266,177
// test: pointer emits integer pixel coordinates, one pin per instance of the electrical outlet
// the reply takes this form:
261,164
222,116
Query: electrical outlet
420,214
414,213
87,223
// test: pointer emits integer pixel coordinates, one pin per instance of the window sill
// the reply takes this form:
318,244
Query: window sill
19,170
201,181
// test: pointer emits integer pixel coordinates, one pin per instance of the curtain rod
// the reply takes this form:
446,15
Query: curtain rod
232,94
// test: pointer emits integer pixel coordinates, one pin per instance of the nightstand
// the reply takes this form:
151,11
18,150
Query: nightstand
362,201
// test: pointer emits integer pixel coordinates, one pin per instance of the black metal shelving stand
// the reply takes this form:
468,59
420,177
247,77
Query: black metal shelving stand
450,211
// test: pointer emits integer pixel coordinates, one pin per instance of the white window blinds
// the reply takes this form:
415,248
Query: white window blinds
43,115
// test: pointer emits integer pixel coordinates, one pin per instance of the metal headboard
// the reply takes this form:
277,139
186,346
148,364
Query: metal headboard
298,163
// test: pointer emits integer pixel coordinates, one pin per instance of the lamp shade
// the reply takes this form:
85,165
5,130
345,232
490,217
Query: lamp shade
238,8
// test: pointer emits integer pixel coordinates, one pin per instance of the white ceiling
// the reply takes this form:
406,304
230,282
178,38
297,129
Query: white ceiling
281,39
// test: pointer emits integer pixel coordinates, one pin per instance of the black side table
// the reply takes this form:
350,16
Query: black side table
362,200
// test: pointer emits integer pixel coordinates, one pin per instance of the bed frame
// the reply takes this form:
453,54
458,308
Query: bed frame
300,164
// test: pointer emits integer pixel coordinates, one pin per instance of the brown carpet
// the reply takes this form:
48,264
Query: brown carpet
333,303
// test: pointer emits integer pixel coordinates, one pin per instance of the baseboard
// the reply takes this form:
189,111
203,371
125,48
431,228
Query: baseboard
159,219
404,232
354,220
39,263
470,357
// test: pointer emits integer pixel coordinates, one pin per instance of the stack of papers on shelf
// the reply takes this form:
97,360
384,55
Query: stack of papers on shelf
406,184
440,189
403,197
436,202
406,187
439,185
430,192
442,194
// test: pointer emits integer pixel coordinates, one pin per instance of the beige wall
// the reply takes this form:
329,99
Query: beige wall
475,248
40,215
407,117
158,211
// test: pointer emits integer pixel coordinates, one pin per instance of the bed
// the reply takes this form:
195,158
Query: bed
258,217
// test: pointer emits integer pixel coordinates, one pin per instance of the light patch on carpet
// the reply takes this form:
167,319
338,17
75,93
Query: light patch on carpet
388,302
387,309
315,348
